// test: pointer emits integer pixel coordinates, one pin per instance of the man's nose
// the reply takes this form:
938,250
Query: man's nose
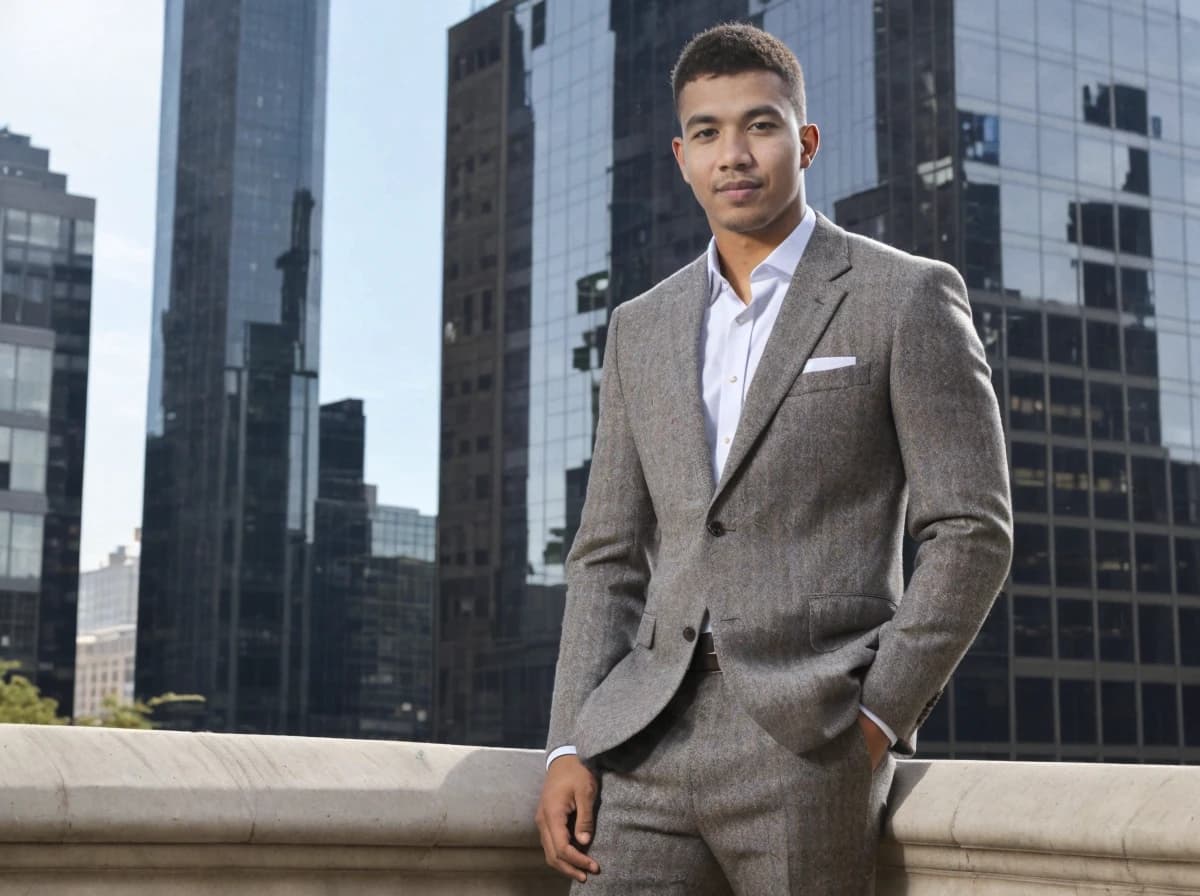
735,152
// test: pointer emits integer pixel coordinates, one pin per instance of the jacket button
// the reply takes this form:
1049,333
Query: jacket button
689,634
716,528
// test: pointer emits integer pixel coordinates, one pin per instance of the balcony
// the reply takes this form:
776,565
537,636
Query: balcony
97,811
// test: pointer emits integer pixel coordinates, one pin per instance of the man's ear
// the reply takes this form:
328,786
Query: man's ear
810,142
677,149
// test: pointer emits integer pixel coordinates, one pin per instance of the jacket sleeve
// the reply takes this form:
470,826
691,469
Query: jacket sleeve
607,567
959,512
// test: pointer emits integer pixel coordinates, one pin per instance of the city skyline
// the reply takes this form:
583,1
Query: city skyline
392,364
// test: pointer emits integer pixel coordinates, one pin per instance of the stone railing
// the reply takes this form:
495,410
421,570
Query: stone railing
97,811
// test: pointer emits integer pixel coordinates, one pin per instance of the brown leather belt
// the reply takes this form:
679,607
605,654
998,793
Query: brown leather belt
705,657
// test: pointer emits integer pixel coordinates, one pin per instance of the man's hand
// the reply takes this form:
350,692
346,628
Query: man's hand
569,787
878,743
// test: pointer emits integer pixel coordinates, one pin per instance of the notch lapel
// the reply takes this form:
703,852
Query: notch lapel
808,306
685,325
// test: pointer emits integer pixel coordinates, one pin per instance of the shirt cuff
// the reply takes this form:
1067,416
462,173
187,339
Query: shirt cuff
883,726
570,750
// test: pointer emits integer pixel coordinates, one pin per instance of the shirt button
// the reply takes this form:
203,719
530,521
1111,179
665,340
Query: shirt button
727,440
689,634
716,528
733,379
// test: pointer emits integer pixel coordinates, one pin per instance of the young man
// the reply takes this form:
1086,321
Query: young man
738,650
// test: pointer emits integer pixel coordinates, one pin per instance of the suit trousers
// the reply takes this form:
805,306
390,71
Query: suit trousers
704,801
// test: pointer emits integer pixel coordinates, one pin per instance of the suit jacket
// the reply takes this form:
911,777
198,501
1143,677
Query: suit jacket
796,551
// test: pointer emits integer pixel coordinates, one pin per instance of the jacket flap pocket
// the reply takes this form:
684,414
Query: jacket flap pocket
835,620
645,632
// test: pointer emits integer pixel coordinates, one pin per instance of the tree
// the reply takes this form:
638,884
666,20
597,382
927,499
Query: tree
22,702
116,714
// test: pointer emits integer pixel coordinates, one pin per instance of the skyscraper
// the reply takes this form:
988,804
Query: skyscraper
373,587
1049,150
232,417
45,327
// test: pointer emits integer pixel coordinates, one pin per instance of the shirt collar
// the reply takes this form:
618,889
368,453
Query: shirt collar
781,263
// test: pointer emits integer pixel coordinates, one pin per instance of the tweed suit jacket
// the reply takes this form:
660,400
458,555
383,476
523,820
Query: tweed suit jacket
796,552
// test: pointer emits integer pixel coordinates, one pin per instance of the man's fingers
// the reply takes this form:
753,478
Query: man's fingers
585,818
561,855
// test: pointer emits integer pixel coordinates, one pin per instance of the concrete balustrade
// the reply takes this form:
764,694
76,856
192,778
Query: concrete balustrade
99,811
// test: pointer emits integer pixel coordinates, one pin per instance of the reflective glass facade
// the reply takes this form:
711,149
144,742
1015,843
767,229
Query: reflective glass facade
224,602
46,237
1079,166
371,671
1047,150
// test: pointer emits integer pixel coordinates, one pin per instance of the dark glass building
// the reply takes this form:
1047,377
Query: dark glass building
231,447
373,588
46,239
1049,150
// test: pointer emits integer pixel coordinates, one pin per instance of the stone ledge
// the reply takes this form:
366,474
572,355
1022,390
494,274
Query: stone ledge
86,810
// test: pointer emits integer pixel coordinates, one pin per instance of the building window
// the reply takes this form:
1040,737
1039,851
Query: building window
22,460
1118,701
1116,632
1113,563
1029,477
1103,351
537,30
1072,557
25,373
1035,710
1027,401
1156,635
1106,409
1160,722
1077,711
1075,629
20,545
1153,563
1031,626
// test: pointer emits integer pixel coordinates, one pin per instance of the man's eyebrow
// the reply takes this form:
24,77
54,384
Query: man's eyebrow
705,118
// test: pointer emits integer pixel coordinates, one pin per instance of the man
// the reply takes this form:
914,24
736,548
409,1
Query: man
737,653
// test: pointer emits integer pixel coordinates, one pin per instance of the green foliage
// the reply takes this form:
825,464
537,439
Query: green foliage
21,702
116,714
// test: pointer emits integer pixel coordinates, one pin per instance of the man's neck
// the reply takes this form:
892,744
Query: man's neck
740,253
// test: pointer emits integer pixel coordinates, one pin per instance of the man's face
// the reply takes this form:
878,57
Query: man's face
743,150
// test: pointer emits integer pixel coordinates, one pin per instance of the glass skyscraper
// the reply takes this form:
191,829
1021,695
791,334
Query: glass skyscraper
46,237
373,585
232,420
1050,150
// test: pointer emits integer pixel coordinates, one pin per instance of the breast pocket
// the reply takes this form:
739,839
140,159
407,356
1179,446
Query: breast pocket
839,378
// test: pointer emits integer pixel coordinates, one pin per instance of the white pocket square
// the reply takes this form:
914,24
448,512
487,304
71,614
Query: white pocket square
816,364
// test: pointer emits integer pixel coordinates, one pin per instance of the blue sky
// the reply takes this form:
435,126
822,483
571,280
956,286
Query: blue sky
82,79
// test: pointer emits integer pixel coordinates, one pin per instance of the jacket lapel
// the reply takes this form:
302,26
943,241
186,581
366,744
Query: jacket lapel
686,399
807,308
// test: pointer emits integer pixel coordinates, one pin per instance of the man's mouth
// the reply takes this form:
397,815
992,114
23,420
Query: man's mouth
739,190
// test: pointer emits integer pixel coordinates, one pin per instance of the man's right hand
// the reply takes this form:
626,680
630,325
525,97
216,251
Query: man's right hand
569,788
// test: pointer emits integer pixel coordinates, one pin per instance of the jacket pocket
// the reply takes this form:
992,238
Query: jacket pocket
645,632
835,620
839,378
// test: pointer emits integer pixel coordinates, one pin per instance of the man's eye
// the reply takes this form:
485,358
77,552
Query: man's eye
764,125
705,133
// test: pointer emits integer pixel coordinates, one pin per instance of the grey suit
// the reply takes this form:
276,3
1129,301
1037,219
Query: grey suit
796,552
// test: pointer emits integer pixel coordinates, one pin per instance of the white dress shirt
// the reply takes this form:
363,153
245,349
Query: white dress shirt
734,336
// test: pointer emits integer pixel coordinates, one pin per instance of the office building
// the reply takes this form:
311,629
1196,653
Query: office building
231,442
46,234
1049,150
108,595
373,592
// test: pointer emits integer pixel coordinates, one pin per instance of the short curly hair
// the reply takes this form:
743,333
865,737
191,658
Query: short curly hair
734,48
